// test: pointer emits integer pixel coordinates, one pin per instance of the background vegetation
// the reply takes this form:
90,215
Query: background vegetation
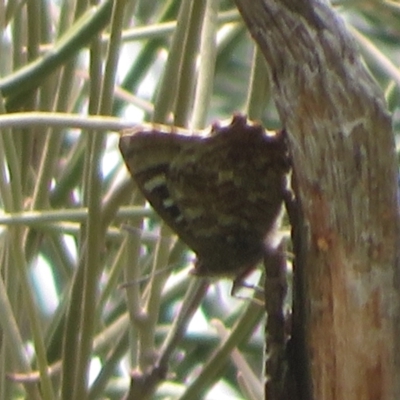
78,289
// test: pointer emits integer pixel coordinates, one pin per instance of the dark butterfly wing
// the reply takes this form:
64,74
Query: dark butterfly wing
229,190
221,194
235,177
149,155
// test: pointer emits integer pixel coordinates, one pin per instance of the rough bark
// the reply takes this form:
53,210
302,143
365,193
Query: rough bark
344,164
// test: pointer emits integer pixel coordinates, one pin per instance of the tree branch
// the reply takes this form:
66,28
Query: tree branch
344,163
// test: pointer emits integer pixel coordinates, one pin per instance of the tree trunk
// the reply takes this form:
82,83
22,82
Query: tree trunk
346,315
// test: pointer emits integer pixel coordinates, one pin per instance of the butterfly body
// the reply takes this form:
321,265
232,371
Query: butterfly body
221,194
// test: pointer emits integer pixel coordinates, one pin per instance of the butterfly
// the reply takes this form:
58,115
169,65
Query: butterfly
221,191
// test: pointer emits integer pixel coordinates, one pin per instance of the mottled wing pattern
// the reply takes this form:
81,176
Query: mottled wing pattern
148,154
221,194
